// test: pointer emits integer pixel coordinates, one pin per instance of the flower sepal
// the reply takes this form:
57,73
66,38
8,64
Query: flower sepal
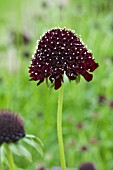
49,86
77,80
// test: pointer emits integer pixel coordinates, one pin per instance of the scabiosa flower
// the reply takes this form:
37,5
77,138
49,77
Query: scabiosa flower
94,141
11,127
41,168
111,104
60,51
84,148
101,99
79,125
87,166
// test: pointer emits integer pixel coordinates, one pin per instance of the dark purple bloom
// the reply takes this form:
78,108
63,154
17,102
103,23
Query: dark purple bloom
111,104
79,125
84,148
25,39
87,166
60,51
11,127
94,141
41,168
101,99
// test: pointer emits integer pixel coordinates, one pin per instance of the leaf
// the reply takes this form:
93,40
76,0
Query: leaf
4,156
49,86
35,145
25,152
19,168
77,80
21,151
15,150
34,138
4,160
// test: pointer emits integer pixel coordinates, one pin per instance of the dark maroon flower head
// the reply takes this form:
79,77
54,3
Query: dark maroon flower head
111,104
83,148
11,127
94,141
79,125
87,166
60,51
41,168
101,99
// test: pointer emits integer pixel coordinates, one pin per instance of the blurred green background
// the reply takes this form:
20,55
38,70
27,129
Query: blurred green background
88,107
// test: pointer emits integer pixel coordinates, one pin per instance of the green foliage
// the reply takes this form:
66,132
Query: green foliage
19,149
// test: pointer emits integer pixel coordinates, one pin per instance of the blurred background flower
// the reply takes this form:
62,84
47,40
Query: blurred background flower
87,166
11,131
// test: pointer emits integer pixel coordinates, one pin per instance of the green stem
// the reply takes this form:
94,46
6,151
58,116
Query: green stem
0,160
10,158
59,129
